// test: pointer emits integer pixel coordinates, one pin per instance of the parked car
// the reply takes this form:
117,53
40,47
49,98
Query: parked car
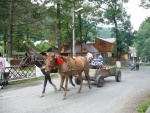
96,63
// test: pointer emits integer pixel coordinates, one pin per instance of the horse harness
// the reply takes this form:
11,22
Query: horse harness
69,66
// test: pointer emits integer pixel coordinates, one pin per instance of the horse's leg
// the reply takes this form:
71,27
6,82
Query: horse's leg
89,82
61,83
50,81
44,87
81,81
70,79
88,79
66,87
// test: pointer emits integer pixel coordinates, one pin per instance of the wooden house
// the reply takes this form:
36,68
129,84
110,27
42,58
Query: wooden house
105,47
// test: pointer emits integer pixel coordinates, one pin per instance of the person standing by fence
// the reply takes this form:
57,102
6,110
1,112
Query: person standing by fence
2,70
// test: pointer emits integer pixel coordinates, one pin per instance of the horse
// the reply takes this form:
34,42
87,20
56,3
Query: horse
39,61
68,66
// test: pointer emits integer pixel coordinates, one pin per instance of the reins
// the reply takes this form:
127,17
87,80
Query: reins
28,62
33,60
39,61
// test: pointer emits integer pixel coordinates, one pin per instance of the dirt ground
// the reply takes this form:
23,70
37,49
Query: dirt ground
130,106
22,85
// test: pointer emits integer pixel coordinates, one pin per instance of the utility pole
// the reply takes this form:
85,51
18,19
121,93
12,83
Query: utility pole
58,28
80,27
73,30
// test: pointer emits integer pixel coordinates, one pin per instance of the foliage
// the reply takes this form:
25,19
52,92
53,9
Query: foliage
27,23
40,20
143,107
88,20
143,38
43,46
115,14
145,4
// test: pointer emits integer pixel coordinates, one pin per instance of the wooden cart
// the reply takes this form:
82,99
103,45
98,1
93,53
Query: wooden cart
98,75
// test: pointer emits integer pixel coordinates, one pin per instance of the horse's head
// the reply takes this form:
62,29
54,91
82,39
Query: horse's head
25,60
50,60
53,60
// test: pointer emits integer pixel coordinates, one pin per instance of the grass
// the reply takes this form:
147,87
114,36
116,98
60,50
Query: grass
27,80
144,106
146,64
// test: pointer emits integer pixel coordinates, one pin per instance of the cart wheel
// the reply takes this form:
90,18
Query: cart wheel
118,76
77,80
99,81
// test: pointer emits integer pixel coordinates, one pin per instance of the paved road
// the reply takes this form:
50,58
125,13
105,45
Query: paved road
113,97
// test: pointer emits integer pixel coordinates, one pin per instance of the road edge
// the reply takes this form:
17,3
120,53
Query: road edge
148,110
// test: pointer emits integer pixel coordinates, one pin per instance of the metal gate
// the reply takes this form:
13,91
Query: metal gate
17,73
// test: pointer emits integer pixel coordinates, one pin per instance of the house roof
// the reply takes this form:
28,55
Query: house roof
89,47
109,40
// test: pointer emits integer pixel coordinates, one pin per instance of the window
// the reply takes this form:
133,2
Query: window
103,44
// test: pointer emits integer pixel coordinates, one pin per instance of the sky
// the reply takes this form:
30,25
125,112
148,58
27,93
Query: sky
138,14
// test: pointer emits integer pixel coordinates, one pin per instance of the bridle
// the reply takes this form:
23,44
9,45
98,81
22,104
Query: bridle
25,62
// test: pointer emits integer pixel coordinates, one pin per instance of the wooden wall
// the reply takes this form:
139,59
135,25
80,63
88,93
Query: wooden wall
103,46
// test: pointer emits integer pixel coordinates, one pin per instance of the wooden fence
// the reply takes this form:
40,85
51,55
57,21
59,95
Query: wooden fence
17,73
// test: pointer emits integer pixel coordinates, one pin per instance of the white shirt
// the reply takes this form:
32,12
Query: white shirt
2,64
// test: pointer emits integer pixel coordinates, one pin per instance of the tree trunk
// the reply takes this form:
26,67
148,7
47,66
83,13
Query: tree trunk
117,40
27,34
118,48
5,41
119,52
10,28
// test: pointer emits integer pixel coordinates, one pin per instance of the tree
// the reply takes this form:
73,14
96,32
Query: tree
4,9
88,17
10,28
116,15
145,4
143,40
24,21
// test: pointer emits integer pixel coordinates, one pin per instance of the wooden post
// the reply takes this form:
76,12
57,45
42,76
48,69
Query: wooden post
30,48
